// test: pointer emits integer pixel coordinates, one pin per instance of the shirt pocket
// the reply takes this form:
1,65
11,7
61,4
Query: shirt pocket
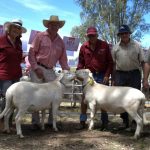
134,55
44,48
88,55
101,55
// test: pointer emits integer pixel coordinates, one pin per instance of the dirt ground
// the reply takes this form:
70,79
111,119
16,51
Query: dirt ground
69,138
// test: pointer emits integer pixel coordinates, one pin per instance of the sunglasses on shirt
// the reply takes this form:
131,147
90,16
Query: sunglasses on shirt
91,35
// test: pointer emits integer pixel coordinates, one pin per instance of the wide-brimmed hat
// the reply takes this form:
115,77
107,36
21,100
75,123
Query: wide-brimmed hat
124,29
16,22
91,31
53,19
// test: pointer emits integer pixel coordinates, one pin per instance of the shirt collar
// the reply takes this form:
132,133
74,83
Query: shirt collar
47,34
87,44
130,42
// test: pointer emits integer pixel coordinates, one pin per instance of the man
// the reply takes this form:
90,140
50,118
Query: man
95,55
46,49
128,57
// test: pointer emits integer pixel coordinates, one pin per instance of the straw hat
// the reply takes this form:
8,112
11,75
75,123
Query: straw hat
16,22
54,19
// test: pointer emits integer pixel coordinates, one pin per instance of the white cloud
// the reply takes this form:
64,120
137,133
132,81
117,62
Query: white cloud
40,5
36,5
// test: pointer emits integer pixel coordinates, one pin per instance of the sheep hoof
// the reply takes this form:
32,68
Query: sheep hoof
90,129
21,136
136,137
42,128
55,129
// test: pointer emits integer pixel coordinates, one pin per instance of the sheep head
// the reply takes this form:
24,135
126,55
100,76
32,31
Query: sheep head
85,76
67,77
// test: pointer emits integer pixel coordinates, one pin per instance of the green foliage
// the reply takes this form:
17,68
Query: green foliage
108,15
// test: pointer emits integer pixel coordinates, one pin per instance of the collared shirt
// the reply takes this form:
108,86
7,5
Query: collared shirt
128,57
10,59
47,52
147,56
99,60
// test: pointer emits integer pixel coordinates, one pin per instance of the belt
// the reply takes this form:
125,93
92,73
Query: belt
96,72
130,71
43,65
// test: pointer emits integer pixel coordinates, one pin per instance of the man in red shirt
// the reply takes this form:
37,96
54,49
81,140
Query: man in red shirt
95,55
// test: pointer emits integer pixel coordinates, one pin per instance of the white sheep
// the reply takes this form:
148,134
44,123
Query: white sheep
27,96
112,99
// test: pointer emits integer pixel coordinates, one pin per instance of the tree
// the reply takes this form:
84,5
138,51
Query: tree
108,15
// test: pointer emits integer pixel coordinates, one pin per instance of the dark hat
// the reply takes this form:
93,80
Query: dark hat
124,29
91,31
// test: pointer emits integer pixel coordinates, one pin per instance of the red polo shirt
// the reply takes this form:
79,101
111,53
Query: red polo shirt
99,60
10,59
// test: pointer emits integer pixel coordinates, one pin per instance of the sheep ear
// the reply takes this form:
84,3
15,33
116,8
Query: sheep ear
90,74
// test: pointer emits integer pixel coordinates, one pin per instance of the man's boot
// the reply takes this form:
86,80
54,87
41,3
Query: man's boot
83,118
104,119
1,124
125,118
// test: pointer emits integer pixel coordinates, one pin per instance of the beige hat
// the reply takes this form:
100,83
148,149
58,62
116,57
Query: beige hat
53,19
16,22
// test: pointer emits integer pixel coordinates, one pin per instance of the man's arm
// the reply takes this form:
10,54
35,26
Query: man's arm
146,72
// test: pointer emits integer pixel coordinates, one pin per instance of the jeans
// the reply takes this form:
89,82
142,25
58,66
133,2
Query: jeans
131,79
4,85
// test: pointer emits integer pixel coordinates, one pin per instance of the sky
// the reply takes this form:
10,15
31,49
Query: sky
32,12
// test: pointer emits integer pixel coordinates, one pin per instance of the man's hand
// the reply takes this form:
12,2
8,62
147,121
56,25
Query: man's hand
106,80
145,84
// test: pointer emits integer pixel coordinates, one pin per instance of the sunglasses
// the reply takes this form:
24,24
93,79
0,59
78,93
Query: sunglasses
91,35
124,33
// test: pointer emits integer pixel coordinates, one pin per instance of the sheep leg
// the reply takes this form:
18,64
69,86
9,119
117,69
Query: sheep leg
6,120
42,119
18,123
145,121
139,123
54,110
92,114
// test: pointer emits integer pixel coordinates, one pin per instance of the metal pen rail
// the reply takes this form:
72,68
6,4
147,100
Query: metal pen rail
74,92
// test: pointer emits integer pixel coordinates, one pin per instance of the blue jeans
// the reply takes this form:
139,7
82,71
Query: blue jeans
98,77
4,85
